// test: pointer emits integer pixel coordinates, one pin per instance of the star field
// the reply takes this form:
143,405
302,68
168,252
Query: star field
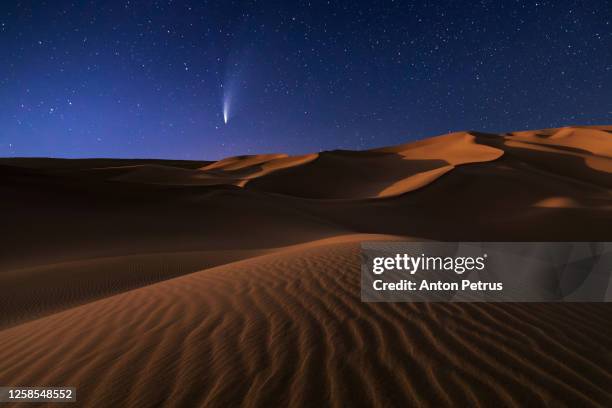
148,78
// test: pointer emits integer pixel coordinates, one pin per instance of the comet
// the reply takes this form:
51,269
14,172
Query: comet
232,86
227,103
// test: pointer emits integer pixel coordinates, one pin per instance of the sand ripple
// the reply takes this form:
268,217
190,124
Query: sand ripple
289,328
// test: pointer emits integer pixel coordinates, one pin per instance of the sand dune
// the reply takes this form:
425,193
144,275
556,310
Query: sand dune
149,282
245,168
33,292
580,153
289,329
595,140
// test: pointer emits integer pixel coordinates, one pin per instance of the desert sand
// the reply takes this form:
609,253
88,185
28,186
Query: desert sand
192,283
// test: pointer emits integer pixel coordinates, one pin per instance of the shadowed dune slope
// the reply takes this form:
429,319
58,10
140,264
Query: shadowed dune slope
289,329
33,292
580,153
377,173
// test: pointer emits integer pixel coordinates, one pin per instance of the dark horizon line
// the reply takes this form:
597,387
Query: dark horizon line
267,153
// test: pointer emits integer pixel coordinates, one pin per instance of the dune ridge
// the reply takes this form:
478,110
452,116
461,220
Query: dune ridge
236,282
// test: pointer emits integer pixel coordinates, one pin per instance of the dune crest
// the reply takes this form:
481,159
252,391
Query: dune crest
454,148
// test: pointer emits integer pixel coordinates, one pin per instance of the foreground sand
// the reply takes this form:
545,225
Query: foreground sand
192,283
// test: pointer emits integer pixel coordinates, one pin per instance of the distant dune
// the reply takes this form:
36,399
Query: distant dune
153,282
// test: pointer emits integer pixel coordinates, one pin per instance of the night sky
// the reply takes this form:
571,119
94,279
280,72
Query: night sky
151,78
